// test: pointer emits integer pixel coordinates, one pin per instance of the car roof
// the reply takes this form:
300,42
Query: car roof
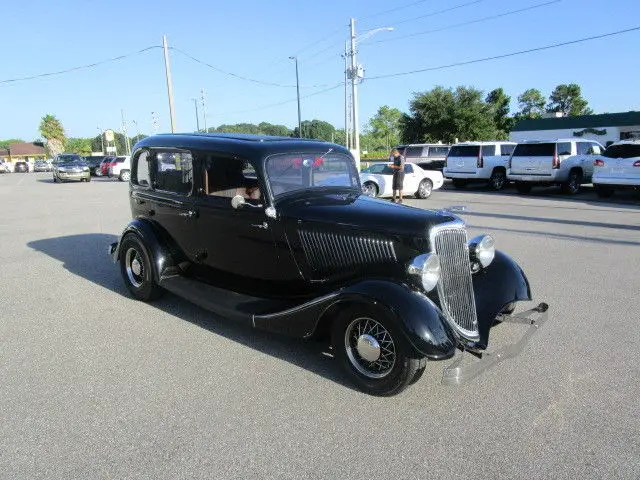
488,142
246,145
557,140
627,142
435,144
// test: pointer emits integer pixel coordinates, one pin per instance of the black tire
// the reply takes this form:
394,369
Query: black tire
523,187
370,189
88,179
138,279
97,171
418,375
603,192
425,189
55,179
498,179
572,185
459,183
390,373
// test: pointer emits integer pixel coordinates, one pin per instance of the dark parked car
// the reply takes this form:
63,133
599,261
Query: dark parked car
76,170
93,162
21,167
276,232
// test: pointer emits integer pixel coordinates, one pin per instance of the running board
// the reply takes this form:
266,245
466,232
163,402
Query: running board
458,374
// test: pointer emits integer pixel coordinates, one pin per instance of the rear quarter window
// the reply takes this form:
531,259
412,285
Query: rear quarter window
438,151
464,151
564,148
488,150
413,152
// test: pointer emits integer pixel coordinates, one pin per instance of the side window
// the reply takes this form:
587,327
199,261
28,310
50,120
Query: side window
227,177
583,148
173,171
594,149
141,170
408,168
488,150
506,149
563,148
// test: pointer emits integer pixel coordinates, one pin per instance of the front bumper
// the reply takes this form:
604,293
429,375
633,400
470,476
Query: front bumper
72,175
461,370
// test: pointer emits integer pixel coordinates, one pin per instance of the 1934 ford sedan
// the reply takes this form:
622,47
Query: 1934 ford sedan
276,232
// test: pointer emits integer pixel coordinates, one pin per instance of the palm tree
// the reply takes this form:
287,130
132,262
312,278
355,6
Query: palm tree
52,130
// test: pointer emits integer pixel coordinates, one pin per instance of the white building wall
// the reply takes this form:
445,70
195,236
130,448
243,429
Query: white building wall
613,134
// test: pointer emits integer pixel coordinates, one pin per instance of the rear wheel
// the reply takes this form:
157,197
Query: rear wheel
523,187
137,270
498,179
372,351
97,172
459,183
572,186
370,189
425,189
125,175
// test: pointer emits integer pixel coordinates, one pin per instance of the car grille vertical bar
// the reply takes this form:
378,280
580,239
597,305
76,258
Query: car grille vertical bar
455,288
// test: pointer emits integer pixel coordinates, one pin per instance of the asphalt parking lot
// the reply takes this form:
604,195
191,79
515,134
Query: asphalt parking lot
97,385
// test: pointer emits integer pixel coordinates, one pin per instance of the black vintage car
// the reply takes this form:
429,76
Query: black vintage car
276,232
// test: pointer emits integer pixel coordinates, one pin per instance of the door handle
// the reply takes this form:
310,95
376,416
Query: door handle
189,214
260,225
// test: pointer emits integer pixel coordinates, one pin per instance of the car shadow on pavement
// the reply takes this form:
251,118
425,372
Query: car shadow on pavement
86,256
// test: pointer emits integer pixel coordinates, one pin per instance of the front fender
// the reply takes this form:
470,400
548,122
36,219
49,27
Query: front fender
152,238
495,287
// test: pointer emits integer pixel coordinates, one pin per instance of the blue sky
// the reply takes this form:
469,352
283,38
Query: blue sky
255,38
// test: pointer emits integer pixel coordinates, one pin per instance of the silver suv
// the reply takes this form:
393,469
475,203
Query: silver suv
564,162
429,156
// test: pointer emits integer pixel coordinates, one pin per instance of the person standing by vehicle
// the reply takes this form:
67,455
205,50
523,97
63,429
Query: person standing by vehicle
398,174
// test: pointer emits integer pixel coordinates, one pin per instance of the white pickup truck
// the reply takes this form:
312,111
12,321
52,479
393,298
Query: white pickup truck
478,162
565,162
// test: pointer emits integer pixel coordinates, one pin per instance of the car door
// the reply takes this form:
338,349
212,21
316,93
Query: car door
169,202
235,244
411,180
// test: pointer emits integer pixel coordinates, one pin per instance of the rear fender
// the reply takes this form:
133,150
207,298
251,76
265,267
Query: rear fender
152,238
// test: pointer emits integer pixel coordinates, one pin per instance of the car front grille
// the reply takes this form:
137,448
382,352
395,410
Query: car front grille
333,252
455,288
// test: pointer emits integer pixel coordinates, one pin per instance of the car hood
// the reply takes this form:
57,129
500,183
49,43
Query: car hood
360,212
71,165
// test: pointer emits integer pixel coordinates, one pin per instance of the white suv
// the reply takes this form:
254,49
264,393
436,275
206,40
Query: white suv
121,168
565,162
479,161
617,168
429,156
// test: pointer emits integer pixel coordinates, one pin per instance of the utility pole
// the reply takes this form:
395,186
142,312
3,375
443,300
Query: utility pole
354,95
167,68
101,139
195,104
127,145
346,95
298,92
204,110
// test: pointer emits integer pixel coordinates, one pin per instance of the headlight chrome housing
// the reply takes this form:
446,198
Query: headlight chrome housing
427,266
482,249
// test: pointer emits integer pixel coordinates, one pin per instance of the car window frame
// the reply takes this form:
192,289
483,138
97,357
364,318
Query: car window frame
134,168
153,171
201,192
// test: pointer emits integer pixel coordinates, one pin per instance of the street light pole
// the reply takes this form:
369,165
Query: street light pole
101,139
195,104
204,111
298,92
167,68
354,95
346,95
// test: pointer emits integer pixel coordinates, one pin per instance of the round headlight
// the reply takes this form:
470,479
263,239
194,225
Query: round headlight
483,249
428,267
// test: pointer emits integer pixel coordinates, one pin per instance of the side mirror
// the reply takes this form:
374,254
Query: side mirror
238,202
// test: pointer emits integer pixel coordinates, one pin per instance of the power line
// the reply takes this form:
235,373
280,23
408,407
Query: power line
241,77
479,20
512,54
437,12
395,9
81,67
284,102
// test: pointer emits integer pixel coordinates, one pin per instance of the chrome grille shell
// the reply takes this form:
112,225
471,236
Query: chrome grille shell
455,288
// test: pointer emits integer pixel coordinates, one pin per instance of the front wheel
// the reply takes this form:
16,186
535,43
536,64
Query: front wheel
498,179
137,270
425,189
370,189
372,351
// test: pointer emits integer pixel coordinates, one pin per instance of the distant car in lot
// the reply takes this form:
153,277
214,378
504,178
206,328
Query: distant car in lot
617,168
94,162
21,167
377,180
76,170
479,162
428,156
120,168
42,166
4,167
564,162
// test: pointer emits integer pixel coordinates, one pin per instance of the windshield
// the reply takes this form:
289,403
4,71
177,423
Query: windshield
290,172
381,168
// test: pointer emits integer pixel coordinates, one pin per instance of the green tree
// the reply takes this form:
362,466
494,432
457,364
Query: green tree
531,103
81,146
448,115
51,129
384,128
499,104
275,130
568,100
318,129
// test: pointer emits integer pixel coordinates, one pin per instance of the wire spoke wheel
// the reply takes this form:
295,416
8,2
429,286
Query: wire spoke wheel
370,348
135,267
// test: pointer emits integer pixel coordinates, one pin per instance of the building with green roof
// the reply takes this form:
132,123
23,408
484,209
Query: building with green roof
606,127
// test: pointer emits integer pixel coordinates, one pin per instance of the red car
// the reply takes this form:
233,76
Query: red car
105,164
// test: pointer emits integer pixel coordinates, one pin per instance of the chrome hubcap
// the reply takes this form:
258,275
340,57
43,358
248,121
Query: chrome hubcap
369,190
370,347
134,267
425,188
